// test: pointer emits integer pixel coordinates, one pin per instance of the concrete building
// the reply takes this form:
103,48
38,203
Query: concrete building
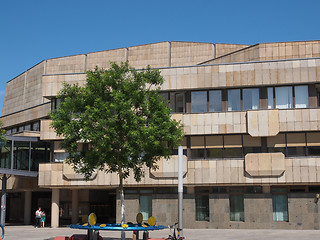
251,118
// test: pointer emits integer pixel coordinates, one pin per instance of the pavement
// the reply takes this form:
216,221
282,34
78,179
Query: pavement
31,233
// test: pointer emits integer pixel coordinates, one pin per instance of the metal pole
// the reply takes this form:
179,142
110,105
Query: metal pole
3,200
180,187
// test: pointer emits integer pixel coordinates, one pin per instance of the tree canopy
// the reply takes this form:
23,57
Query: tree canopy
3,138
120,118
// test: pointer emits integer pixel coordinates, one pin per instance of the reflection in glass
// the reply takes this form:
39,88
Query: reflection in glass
199,101
301,96
250,98
284,97
270,98
234,100
215,104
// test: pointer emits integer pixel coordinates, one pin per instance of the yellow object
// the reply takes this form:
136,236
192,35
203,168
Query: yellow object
124,225
103,225
139,218
86,224
152,221
143,225
92,219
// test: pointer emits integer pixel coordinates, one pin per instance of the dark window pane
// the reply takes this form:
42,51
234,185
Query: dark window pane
179,102
197,153
314,151
280,207
219,190
214,153
236,208
202,208
254,189
277,149
296,151
251,150
233,152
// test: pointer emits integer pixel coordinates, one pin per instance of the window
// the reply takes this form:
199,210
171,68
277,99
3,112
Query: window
296,144
202,208
179,103
277,143
280,205
251,144
214,146
284,97
197,147
236,207
146,204
215,101
199,101
232,146
250,98
301,97
313,143
270,98
234,101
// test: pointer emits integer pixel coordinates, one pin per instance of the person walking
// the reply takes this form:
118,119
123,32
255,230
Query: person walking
43,218
38,217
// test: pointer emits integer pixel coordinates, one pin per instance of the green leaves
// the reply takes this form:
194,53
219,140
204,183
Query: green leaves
125,122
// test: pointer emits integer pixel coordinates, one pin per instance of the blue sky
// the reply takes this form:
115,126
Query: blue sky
34,30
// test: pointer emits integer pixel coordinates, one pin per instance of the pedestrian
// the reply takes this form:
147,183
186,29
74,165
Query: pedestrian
43,218
38,217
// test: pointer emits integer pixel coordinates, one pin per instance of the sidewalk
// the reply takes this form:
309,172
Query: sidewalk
31,233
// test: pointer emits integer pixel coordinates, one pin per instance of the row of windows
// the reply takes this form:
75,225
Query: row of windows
34,126
237,146
240,99
236,204
236,200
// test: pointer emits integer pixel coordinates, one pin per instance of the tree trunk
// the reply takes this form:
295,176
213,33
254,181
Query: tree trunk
123,234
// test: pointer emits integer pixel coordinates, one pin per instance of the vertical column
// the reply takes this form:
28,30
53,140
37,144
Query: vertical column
55,207
75,206
3,200
27,207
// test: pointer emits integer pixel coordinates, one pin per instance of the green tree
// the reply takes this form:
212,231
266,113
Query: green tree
120,118
3,138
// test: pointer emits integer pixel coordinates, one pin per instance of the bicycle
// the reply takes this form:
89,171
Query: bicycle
173,235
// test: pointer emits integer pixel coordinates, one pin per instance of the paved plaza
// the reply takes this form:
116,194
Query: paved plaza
31,233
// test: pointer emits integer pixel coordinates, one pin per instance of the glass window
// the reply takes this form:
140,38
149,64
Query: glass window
146,206
197,147
234,100
179,102
301,97
215,101
313,143
202,208
214,146
236,207
250,98
199,101
36,126
60,156
232,146
270,98
284,97
280,207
